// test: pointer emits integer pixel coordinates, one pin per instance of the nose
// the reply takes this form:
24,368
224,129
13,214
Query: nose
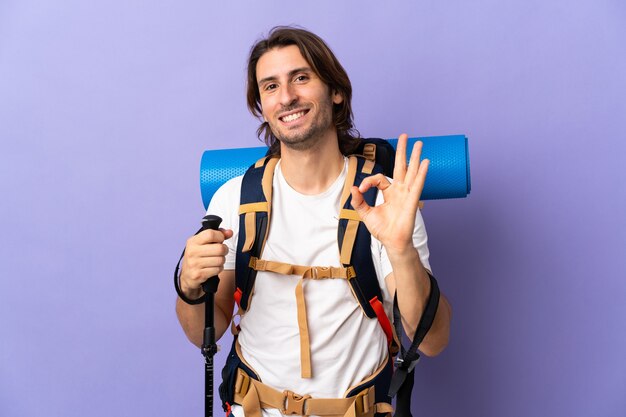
288,95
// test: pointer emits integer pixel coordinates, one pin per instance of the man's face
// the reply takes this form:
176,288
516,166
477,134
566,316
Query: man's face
297,105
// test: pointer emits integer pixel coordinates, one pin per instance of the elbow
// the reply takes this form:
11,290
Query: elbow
194,339
438,337
435,341
194,335
435,347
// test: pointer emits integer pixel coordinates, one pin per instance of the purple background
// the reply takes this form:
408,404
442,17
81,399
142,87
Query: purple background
106,107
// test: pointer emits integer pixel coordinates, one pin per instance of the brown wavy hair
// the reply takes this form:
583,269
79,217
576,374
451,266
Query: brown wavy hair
325,65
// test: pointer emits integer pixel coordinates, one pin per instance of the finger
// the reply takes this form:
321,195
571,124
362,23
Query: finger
193,279
208,250
193,267
212,272
414,163
418,186
207,262
379,181
358,203
399,167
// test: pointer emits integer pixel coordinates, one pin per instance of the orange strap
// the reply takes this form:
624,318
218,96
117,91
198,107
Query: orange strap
382,319
237,296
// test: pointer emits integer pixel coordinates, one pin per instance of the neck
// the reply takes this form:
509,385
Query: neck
313,170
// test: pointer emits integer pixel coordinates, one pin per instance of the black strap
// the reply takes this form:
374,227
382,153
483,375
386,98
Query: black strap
403,377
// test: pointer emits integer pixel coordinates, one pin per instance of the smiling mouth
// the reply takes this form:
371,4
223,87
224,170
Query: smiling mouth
294,116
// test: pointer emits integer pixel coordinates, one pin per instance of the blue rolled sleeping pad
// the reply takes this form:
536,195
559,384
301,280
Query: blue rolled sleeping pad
448,172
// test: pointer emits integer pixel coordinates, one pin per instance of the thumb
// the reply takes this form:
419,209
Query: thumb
228,233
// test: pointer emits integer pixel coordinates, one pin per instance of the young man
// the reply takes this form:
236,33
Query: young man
299,335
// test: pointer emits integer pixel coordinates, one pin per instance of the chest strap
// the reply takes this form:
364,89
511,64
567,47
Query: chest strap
311,272
305,272
254,395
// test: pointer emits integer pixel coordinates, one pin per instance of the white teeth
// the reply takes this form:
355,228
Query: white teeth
293,117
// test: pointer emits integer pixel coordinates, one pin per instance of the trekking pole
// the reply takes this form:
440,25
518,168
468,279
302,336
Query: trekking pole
209,347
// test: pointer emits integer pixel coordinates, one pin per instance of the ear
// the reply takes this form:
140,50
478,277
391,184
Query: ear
337,97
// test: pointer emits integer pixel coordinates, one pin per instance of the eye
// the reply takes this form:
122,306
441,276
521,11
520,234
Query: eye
301,78
270,87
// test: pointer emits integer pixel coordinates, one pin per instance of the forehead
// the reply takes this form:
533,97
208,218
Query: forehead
280,61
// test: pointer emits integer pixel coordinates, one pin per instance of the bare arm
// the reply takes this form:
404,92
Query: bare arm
392,223
410,279
191,317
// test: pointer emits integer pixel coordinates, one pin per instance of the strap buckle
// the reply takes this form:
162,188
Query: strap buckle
362,402
257,264
320,272
294,403
369,151
350,272
242,383
400,363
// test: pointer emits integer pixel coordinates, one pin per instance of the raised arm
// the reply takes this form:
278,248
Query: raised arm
392,223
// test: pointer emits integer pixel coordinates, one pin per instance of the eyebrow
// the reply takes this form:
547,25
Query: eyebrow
291,74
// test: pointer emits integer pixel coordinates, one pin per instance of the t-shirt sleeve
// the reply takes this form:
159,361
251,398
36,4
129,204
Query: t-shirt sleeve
225,203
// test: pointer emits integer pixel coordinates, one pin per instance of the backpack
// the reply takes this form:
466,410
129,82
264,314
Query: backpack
373,156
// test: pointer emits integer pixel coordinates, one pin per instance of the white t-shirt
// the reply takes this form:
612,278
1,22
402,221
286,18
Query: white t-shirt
346,345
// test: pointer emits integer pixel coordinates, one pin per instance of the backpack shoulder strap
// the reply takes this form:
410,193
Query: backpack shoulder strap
355,244
254,220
